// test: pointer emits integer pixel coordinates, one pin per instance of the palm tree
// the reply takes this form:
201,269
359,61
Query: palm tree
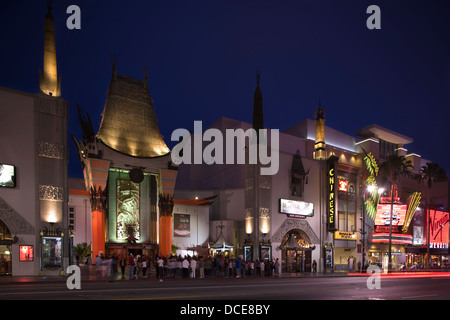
430,173
390,171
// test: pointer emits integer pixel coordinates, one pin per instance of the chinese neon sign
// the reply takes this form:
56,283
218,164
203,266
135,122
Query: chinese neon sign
332,225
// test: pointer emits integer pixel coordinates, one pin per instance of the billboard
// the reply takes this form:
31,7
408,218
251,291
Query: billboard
382,217
181,225
296,209
7,175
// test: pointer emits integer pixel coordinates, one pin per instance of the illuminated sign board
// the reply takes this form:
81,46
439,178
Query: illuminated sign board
343,185
7,175
439,229
296,209
418,235
332,199
26,253
382,217
345,235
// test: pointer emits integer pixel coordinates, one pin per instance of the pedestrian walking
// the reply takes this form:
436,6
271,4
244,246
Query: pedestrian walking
123,264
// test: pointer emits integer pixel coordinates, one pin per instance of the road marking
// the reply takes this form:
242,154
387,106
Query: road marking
422,296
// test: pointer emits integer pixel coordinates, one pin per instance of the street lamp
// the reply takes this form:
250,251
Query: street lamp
371,188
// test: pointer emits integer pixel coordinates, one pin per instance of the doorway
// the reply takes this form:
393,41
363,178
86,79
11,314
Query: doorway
296,255
5,250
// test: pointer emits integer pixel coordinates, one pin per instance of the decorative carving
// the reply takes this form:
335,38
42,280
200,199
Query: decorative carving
51,193
249,213
50,105
51,150
265,182
128,215
98,199
292,223
249,183
13,220
264,212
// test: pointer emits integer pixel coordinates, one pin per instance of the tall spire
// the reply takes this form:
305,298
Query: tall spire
320,152
258,122
48,80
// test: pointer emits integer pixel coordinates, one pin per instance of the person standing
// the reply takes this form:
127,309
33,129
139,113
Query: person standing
160,263
261,267
277,267
238,265
131,266
144,267
202,268
185,265
193,267
123,264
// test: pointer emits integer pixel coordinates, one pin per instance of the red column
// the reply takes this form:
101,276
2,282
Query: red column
165,238
98,232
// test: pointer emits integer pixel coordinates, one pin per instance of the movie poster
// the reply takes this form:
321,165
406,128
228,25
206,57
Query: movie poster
181,225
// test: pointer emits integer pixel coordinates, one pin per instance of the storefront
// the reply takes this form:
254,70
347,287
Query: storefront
345,251
438,244
378,253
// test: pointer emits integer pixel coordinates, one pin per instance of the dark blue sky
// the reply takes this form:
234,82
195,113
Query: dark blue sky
203,56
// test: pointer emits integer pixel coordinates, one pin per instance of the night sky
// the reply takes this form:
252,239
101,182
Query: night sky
203,56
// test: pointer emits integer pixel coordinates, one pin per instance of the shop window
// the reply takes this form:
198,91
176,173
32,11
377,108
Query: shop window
387,149
51,252
72,218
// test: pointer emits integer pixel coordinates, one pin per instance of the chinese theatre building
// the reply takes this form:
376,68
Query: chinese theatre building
128,171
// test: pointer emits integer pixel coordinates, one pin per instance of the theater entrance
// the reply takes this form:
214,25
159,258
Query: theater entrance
296,252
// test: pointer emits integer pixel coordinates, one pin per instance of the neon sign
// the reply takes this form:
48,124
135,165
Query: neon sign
343,185
439,229
332,226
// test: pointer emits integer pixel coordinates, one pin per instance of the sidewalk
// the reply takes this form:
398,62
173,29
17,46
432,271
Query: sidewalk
87,275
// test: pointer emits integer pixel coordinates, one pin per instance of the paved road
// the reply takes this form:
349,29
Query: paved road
432,287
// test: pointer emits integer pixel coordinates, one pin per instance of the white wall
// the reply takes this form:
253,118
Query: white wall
17,147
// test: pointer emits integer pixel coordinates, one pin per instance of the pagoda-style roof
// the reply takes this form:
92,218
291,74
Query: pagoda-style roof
129,124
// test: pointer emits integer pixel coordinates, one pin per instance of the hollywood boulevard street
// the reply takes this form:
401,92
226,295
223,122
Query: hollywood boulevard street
434,286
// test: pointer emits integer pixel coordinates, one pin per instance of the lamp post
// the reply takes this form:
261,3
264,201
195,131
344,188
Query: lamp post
370,188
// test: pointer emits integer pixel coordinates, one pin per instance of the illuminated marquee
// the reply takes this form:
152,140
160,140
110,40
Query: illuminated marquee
439,229
331,177
296,209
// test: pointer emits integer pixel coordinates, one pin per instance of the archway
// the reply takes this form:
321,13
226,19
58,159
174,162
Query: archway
5,249
295,252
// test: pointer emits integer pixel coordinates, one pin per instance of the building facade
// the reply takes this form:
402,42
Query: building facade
34,236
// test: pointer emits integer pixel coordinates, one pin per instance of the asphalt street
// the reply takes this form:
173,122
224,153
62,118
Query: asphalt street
434,287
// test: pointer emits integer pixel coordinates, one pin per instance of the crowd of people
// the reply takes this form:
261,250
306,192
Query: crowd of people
187,267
